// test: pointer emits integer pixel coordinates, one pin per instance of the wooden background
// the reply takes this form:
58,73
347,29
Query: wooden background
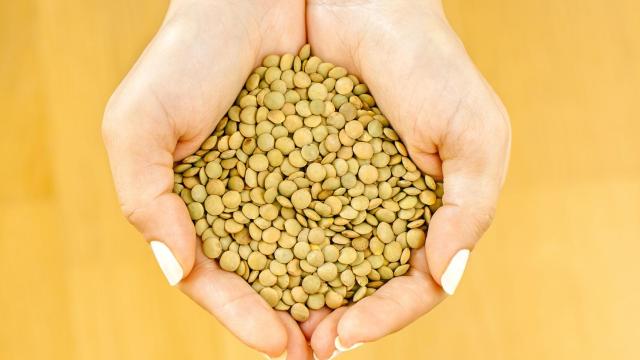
556,277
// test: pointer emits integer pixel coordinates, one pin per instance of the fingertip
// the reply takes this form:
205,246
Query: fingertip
295,346
454,271
344,348
280,342
273,342
168,263
275,352
451,236
166,221
323,339
282,356
350,327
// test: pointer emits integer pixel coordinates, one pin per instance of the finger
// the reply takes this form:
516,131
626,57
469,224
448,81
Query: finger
429,163
144,129
141,164
236,305
364,322
404,299
297,347
315,317
474,148
471,187
324,336
147,125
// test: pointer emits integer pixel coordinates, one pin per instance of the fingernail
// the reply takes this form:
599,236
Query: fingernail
342,348
333,355
283,356
168,263
452,275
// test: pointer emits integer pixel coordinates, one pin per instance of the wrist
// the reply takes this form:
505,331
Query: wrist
436,4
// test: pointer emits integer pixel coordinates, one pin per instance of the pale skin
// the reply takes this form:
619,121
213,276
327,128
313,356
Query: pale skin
453,124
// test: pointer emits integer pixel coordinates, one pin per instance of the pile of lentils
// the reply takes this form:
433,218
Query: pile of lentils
304,189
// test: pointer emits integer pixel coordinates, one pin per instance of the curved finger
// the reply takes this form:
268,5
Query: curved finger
236,305
148,125
141,163
324,336
297,347
473,177
404,299
474,148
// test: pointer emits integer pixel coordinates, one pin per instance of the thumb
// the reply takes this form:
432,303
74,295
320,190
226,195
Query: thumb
140,153
157,115
468,206
474,152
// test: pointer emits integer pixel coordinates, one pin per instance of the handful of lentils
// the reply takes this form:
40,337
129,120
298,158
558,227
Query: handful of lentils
304,190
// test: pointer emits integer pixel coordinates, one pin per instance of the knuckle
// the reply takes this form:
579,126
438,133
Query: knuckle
127,204
483,218
138,210
133,214
128,212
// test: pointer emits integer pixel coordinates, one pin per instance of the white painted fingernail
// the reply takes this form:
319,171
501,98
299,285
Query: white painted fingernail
333,355
342,348
283,356
452,275
168,263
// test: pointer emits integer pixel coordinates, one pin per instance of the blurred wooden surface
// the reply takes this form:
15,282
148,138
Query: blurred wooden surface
556,277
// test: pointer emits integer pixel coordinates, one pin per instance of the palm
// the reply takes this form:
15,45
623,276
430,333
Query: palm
419,73
167,105
424,82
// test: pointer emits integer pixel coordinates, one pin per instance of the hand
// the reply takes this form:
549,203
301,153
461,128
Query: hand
453,126
167,105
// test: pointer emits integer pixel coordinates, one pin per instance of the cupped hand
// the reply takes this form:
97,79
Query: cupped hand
168,104
454,127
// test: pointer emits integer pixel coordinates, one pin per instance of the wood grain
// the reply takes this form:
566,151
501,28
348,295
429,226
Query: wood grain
554,278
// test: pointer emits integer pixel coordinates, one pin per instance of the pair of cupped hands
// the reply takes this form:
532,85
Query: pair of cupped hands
452,123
